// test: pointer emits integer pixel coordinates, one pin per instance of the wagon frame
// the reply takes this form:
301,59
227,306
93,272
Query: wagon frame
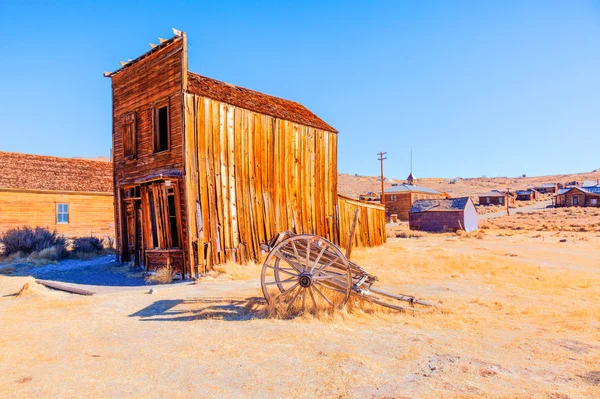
309,272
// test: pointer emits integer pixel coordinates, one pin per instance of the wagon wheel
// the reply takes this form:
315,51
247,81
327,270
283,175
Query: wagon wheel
308,273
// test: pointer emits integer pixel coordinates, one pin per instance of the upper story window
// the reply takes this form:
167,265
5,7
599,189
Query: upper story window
161,128
129,135
62,213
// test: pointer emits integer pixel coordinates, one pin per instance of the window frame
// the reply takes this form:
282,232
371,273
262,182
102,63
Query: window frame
156,125
129,120
60,213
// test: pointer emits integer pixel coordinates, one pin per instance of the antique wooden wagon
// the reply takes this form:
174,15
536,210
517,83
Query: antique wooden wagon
206,171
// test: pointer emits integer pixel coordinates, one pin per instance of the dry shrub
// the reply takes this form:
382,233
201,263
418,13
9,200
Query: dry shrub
410,234
479,234
161,276
26,240
235,271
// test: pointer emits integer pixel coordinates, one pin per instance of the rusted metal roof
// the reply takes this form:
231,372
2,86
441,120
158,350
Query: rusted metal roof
37,172
255,101
440,205
405,188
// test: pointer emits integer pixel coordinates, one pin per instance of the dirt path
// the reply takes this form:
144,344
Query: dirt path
514,328
541,205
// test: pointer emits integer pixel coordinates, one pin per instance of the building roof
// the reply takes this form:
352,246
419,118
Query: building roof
255,101
37,172
495,193
548,185
440,205
526,192
588,190
405,188
590,183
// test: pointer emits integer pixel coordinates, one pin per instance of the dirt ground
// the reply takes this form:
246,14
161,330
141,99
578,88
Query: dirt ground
522,321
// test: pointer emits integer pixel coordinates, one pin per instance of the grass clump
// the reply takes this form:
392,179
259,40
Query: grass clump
26,241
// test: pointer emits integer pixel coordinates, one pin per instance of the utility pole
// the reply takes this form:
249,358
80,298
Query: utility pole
507,199
381,158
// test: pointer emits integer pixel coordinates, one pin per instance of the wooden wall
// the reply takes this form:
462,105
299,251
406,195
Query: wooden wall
155,80
254,176
89,214
403,202
370,228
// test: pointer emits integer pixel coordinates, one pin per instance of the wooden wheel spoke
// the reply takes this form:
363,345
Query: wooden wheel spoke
289,280
303,299
323,295
295,249
330,288
307,255
294,298
283,270
318,258
280,255
331,262
312,297
285,292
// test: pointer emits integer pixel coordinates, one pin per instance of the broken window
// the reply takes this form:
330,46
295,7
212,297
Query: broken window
129,136
62,213
173,218
161,128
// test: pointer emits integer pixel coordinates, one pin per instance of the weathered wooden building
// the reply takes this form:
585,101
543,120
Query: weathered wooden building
446,214
549,188
527,195
399,199
496,197
578,196
72,196
206,171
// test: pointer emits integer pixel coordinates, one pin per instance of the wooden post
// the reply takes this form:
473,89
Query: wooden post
507,199
381,158
351,234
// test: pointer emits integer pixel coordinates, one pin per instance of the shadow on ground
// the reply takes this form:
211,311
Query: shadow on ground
202,309
100,271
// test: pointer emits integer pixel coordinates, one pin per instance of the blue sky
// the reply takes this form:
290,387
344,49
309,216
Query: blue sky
496,88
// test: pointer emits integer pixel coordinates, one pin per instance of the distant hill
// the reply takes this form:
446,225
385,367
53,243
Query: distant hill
354,185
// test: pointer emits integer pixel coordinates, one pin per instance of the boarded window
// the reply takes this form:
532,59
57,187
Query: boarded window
161,128
593,201
62,213
129,136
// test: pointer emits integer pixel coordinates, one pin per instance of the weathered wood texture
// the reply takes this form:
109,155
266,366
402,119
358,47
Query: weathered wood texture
89,214
577,197
400,203
370,229
250,176
156,80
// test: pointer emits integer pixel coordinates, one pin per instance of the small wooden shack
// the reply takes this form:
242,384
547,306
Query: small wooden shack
549,188
206,171
399,198
70,195
496,197
527,195
578,196
447,214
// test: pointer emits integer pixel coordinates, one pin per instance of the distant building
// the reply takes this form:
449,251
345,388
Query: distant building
370,196
72,196
578,196
591,183
549,188
496,197
527,195
399,199
446,214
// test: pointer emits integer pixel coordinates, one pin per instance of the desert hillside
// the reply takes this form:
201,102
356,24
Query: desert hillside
354,185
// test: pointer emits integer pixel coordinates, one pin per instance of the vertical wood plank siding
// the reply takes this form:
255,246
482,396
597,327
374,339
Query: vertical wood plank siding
370,229
253,176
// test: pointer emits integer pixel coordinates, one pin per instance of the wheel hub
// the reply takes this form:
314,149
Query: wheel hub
305,280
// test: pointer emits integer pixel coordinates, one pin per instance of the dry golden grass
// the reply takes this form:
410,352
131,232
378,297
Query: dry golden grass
161,276
557,219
